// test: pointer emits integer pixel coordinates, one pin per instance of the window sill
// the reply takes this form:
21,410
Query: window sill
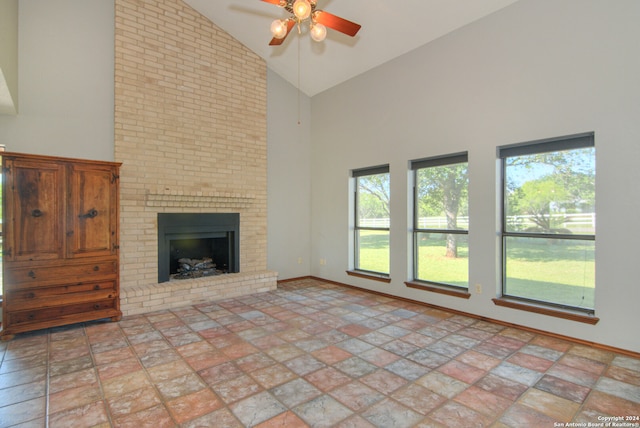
545,310
369,275
438,289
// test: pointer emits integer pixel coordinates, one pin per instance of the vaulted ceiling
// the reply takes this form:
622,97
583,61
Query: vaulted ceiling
390,28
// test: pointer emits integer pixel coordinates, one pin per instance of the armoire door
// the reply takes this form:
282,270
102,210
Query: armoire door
92,227
34,205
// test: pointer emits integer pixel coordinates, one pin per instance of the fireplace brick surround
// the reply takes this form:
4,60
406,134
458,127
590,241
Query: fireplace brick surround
190,131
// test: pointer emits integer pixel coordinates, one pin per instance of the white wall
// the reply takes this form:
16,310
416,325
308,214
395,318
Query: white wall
289,180
65,81
8,56
536,69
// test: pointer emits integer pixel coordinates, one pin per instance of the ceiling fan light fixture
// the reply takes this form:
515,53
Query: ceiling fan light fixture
302,9
319,21
318,32
278,29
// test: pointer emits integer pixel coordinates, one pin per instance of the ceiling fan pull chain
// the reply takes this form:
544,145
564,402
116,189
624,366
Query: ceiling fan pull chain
298,79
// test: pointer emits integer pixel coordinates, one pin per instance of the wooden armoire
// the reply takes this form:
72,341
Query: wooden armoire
60,242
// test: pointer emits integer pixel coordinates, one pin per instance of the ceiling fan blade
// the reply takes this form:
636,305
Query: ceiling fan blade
339,24
277,42
276,2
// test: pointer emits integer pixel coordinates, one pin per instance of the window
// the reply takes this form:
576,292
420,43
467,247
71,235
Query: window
441,220
548,222
371,239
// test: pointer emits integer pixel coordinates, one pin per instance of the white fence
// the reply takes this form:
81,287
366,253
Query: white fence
580,223
583,222
423,222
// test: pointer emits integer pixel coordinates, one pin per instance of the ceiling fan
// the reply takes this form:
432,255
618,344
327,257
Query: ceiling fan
319,20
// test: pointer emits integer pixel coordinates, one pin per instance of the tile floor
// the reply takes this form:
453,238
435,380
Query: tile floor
309,354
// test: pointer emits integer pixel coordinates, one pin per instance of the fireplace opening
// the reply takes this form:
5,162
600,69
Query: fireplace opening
196,257
196,245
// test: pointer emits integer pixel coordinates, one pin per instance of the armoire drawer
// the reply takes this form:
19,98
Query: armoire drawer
57,312
41,297
45,275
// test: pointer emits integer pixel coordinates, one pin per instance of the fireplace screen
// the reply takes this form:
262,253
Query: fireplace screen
196,245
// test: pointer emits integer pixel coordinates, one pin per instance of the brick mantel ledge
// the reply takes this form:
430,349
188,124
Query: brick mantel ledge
166,197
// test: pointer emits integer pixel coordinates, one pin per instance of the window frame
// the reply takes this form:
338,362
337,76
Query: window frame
356,174
549,145
415,165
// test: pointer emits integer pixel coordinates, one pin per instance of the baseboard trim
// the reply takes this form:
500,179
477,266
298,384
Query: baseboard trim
300,278
601,346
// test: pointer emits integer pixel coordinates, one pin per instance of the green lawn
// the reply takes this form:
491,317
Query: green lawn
559,271
556,271
433,265
374,251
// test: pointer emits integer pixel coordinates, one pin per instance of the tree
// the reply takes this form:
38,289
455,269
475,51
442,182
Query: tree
373,196
539,197
542,186
443,190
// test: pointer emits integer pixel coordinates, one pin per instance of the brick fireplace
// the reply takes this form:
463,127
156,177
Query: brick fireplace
190,131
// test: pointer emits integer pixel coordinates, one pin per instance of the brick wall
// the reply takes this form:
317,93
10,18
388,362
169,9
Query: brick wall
190,131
